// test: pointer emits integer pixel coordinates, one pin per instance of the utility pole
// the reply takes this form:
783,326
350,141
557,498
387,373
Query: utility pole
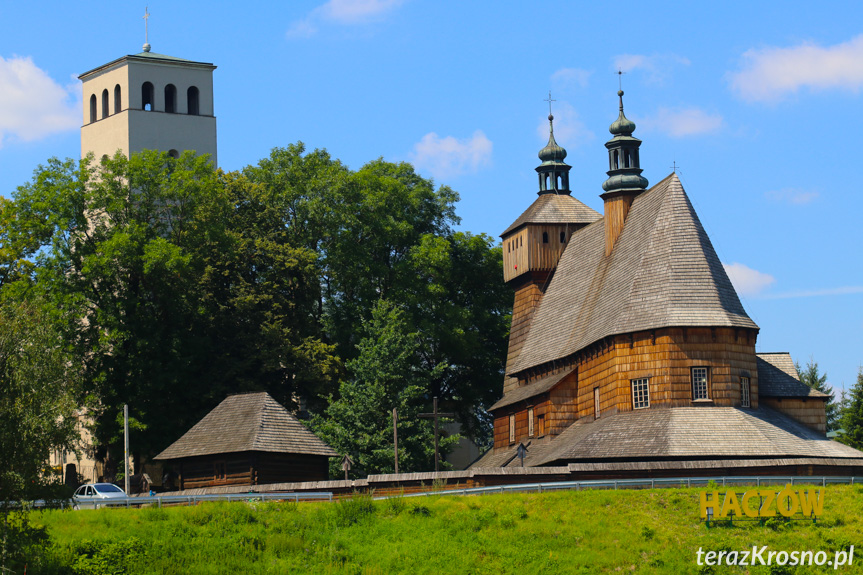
396,438
126,441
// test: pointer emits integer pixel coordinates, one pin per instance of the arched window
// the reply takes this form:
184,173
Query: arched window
105,110
192,97
148,97
170,99
118,100
626,159
558,184
545,237
174,154
616,160
546,184
93,108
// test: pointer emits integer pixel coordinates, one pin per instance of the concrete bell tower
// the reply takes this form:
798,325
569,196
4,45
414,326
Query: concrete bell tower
149,101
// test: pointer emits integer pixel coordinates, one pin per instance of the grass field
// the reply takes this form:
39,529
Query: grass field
648,531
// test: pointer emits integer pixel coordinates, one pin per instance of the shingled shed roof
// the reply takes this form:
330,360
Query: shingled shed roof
663,272
683,432
555,209
247,422
532,390
778,377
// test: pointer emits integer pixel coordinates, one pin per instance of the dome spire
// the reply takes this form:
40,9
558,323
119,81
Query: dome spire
553,172
623,162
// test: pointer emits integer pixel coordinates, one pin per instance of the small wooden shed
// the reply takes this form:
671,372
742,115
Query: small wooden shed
248,439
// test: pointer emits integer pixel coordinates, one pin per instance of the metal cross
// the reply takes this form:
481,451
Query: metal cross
146,18
549,100
674,166
620,74
436,415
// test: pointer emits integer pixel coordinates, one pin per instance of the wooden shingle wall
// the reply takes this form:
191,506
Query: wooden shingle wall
808,411
527,298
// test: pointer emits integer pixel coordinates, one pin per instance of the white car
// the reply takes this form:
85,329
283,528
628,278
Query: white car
96,495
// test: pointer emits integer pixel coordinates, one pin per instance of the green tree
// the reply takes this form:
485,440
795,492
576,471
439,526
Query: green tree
386,374
176,288
818,381
37,404
852,415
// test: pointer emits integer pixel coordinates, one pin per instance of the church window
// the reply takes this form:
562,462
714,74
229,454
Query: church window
616,160
626,159
540,425
744,392
93,108
147,97
558,183
118,101
545,237
192,98
596,402
170,99
105,110
635,163
521,241
699,383
512,428
640,393
530,422
563,237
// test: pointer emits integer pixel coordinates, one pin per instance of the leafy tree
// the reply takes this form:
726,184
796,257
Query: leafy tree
818,381
175,293
37,404
387,373
852,415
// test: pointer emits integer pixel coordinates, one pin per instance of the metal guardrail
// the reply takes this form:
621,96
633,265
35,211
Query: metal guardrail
159,500
671,482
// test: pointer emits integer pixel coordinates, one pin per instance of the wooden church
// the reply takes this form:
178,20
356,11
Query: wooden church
630,352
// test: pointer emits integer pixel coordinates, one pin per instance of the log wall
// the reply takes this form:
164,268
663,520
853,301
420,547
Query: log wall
810,412
249,468
664,356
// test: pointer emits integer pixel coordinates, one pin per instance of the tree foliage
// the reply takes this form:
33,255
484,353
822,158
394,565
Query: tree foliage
37,404
812,377
851,419
177,284
387,374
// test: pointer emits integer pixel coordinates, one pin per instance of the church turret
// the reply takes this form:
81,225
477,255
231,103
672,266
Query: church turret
533,244
624,181
553,171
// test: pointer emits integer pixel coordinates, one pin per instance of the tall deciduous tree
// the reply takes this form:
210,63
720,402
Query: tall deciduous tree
37,404
812,377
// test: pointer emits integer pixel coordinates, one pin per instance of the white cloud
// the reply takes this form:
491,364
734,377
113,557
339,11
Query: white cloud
346,12
845,290
747,281
448,157
32,104
769,74
793,196
568,127
683,122
570,78
656,66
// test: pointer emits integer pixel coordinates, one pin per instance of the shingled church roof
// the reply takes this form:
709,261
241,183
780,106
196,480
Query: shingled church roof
663,272
676,433
247,422
778,377
555,209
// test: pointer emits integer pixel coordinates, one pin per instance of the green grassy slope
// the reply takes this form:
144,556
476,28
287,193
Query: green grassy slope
650,531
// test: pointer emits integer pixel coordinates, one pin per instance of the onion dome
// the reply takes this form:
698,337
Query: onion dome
552,152
622,126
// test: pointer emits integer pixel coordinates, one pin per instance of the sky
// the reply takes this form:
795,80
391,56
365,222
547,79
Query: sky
754,103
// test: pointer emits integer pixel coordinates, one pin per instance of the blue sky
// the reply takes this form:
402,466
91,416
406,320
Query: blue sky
759,106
